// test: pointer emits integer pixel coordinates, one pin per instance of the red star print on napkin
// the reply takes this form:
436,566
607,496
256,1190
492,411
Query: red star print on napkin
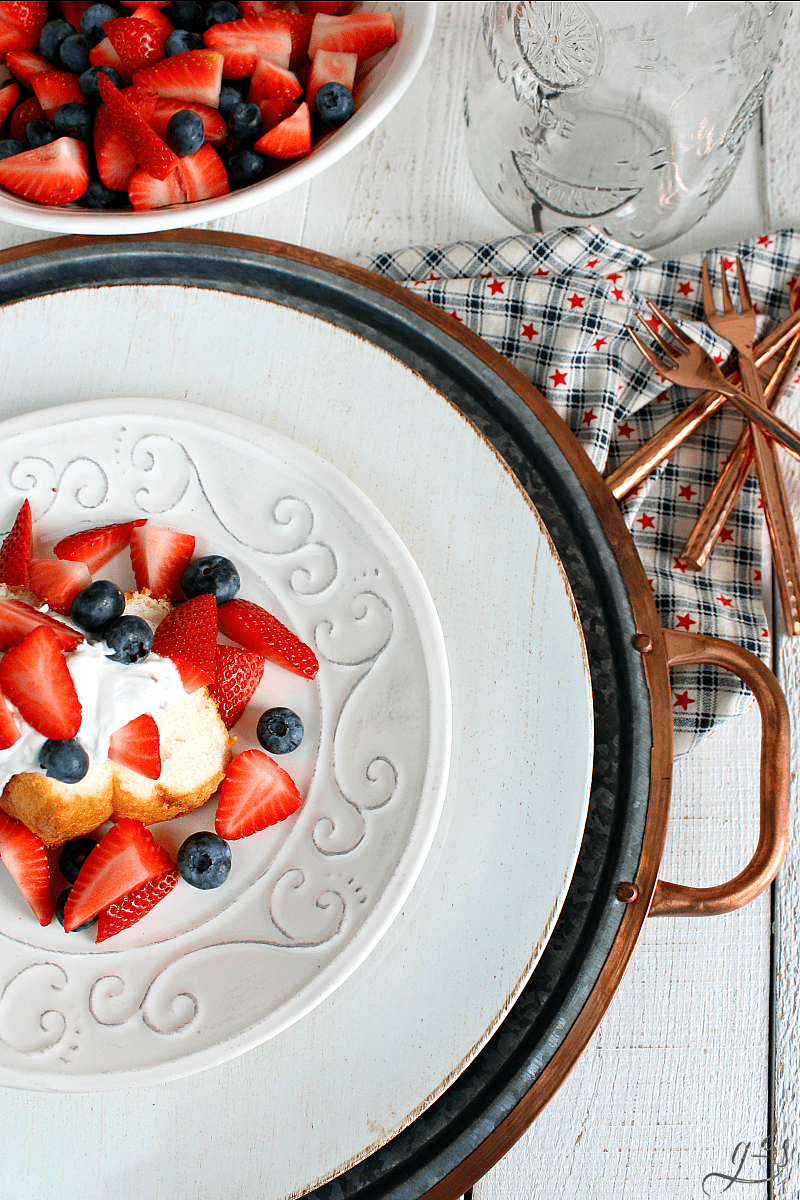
683,699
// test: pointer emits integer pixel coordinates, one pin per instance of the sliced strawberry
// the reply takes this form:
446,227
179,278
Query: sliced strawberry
26,859
96,547
334,7
15,552
73,10
54,88
24,64
56,173
255,8
242,43
137,42
9,730
269,81
198,176
275,110
188,635
195,76
290,139
162,26
214,127
298,25
9,95
152,3
56,582
137,746
361,33
238,674
135,905
27,110
151,152
17,619
21,22
104,55
252,626
35,677
330,66
116,161
255,793
159,557
123,860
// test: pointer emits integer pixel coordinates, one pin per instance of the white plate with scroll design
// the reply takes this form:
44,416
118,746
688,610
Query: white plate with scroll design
207,975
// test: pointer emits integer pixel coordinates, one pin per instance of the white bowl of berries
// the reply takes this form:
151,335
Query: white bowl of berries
131,117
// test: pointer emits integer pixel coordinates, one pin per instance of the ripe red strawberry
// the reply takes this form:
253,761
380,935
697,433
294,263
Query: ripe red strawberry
54,88
269,81
244,42
137,746
28,110
15,552
290,139
24,855
151,153
137,42
198,176
152,3
21,23
17,619
8,98
361,33
255,8
123,860
56,173
298,25
104,55
252,626
255,793
159,557
188,635
162,26
35,677
334,7
73,10
195,75
214,127
135,905
56,582
330,66
275,110
96,547
24,64
9,730
116,161
238,674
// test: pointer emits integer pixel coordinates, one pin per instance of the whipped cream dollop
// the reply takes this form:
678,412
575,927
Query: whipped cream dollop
111,694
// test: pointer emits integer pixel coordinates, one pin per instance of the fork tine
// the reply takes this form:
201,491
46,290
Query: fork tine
727,305
708,295
668,347
660,365
744,291
672,326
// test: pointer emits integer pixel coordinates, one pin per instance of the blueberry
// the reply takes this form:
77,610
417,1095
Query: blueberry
181,40
130,639
244,121
245,167
73,54
211,575
39,132
51,37
279,730
184,14
10,147
65,760
220,12
228,96
96,605
334,103
89,86
185,133
73,855
97,195
204,860
94,18
60,905
73,120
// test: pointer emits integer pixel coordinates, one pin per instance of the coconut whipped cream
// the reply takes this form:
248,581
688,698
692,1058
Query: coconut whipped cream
111,694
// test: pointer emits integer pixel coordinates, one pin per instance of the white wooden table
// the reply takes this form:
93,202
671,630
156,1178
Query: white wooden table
699,1052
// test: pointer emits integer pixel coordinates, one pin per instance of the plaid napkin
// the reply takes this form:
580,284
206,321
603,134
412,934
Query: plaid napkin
556,305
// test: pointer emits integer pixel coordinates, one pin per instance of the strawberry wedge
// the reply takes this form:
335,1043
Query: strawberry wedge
56,173
56,582
126,858
136,904
194,76
137,746
35,677
242,43
159,557
24,855
198,176
188,636
18,619
290,139
96,547
9,730
255,793
150,151
361,33
238,674
15,552
256,629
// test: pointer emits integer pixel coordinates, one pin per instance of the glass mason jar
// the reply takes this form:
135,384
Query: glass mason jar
628,116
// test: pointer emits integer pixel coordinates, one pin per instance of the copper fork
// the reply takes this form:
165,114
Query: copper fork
738,327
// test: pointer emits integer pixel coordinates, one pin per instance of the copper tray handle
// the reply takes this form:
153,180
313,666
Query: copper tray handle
676,900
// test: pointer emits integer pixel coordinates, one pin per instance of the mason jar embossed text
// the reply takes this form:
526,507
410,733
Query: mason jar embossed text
628,116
